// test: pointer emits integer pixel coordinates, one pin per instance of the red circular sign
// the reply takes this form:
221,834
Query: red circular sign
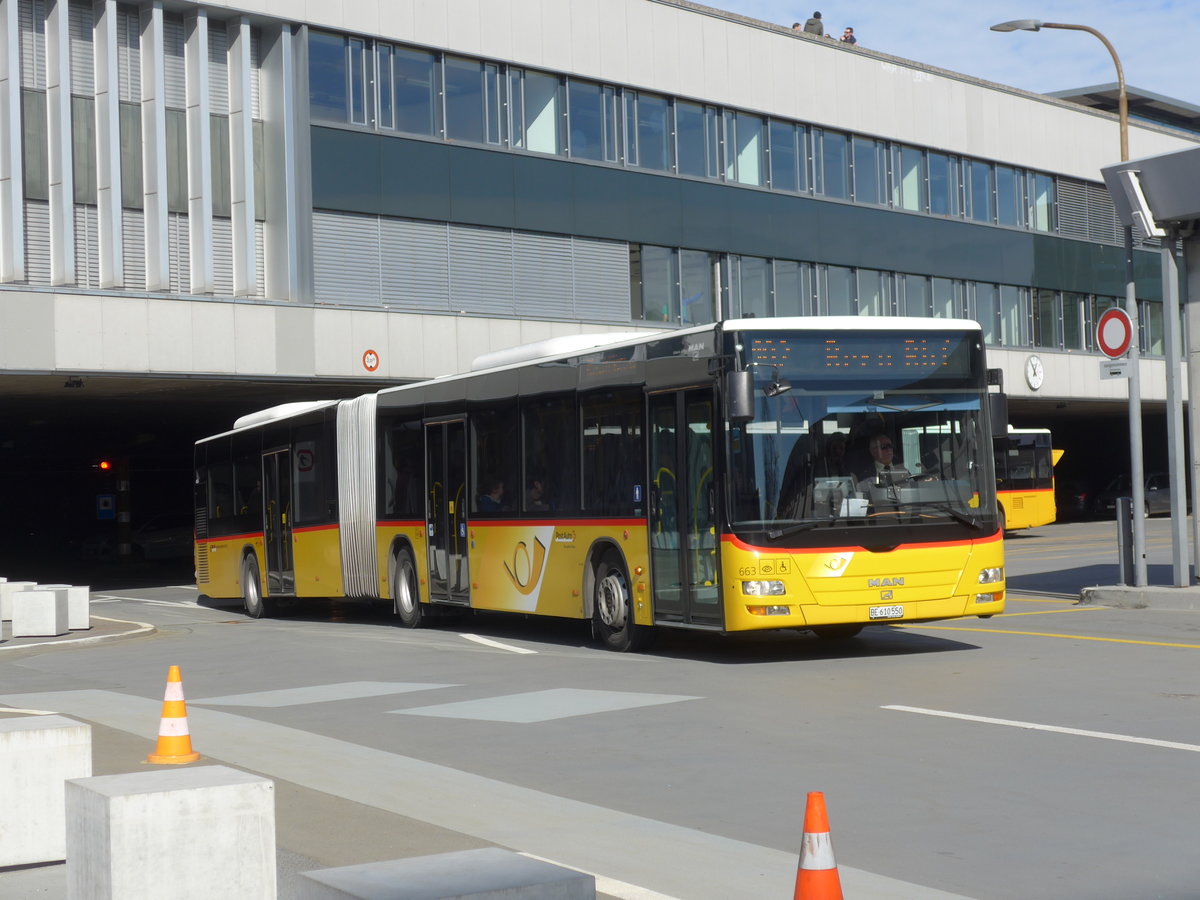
370,360
1114,333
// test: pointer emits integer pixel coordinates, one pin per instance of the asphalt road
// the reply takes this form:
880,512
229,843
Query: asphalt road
1043,753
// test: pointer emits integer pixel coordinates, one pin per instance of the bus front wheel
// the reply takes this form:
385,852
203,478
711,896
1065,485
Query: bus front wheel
612,608
256,605
405,593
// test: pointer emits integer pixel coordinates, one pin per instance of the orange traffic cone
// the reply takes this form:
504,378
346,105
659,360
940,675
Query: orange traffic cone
174,741
817,874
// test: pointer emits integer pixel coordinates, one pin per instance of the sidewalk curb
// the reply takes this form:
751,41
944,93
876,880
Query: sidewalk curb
1150,597
94,635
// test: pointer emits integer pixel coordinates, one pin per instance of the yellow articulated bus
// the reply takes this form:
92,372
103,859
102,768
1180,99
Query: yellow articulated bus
816,474
1025,462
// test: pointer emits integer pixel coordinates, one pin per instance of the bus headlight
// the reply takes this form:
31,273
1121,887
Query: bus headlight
763,588
991,576
768,610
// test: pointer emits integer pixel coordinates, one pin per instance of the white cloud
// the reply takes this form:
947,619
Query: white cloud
1155,39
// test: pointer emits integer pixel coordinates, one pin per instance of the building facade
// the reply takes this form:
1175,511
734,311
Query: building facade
327,192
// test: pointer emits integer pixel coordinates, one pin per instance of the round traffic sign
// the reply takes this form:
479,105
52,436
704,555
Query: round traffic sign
1114,333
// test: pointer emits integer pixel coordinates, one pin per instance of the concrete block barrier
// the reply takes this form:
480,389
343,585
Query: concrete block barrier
183,834
79,598
37,756
38,613
488,874
7,590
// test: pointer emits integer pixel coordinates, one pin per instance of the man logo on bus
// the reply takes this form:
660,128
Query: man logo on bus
521,566
885,582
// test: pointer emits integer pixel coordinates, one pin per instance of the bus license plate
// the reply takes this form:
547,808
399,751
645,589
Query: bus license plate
887,612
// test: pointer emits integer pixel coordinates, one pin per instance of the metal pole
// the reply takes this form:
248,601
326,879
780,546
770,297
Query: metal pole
1137,477
1175,454
1191,288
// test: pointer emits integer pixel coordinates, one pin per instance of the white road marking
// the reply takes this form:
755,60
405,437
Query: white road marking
109,598
28,712
1034,726
488,642
142,627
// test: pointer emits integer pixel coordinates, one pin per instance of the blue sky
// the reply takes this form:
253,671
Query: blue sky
1156,40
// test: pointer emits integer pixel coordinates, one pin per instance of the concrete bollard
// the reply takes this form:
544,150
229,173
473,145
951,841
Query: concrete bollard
488,874
186,834
79,612
38,613
37,755
7,589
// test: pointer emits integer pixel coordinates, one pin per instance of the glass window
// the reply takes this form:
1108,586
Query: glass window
793,291
551,455
946,293
222,180
358,80
874,292
613,462
1045,318
465,101
415,94
1010,205
696,139
655,289
987,309
535,105
1041,201
979,191
83,148
33,128
177,166
917,295
870,170
1014,316
401,468
833,171
652,130
131,155
908,178
1150,317
495,461
839,291
1072,317
696,286
943,185
493,102
384,117
752,287
745,160
593,120
787,156
327,77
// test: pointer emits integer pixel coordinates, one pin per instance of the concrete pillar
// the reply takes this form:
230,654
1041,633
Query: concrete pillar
38,613
488,874
186,834
79,613
7,589
37,755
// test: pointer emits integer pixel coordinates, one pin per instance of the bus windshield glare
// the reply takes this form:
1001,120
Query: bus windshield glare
861,431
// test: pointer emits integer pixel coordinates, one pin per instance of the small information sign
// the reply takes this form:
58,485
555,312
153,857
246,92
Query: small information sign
1114,368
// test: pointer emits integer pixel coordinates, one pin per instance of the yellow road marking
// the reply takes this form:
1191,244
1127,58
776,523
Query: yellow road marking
1039,599
1071,637
1048,612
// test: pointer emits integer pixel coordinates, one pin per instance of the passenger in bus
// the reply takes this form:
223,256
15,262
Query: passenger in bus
536,497
492,498
883,472
833,460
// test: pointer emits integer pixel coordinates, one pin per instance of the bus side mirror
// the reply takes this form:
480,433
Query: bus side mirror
739,396
998,413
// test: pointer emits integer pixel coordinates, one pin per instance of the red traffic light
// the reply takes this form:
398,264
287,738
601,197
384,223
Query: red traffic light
104,465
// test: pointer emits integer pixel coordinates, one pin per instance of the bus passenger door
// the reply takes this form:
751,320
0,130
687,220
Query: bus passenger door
277,522
446,511
683,539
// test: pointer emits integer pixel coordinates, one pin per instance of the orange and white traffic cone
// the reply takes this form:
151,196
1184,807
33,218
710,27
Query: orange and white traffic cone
174,741
817,875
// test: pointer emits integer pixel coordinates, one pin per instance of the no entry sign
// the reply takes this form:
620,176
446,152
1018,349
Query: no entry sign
1114,333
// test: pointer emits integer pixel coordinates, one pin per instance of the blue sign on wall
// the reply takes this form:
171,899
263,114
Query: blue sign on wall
106,506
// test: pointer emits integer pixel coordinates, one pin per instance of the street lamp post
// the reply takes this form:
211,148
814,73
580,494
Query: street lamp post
1137,478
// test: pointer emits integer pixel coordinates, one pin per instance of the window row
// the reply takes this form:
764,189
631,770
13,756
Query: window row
694,287
83,155
390,87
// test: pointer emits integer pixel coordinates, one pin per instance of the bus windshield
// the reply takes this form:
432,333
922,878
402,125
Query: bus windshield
863,446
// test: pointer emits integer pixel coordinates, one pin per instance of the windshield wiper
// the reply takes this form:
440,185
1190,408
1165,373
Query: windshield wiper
775,534
946,508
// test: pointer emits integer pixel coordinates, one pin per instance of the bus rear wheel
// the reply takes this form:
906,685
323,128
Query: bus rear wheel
257,605
612,608
405,593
